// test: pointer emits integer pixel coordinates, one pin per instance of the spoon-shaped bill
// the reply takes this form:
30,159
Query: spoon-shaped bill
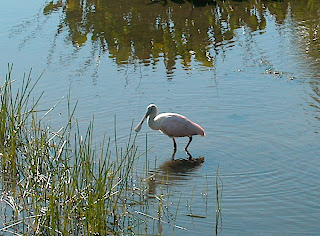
138,127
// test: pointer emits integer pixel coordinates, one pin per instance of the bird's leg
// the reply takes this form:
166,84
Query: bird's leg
190,157
186,148
174,144
174,148
174,153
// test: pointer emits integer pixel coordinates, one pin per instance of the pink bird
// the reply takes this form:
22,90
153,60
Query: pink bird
171,124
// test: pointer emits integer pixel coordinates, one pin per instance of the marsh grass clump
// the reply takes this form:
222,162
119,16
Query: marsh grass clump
58,182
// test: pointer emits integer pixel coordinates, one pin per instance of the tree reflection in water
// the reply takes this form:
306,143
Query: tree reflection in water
148,30
181,31
175,30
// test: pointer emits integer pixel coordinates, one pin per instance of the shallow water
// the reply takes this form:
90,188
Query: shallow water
247,72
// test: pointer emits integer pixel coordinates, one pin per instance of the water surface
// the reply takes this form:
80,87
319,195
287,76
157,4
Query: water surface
247,72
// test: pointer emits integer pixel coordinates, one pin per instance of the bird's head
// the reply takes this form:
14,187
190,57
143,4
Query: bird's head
151,109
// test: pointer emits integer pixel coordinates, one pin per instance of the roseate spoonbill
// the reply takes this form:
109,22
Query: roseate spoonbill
172,124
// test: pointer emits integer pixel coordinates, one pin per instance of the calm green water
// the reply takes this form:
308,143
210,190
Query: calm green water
248,72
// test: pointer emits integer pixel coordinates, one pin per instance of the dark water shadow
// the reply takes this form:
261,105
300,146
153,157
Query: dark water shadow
177,166
172,172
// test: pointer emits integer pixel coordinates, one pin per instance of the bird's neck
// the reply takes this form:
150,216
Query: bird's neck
152,123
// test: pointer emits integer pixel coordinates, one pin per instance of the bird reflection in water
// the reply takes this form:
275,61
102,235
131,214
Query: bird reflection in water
172,171
181,165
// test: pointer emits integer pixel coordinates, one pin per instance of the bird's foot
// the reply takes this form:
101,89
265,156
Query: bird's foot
190,156
174,153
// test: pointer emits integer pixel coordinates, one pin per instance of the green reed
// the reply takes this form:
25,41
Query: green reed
58,182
